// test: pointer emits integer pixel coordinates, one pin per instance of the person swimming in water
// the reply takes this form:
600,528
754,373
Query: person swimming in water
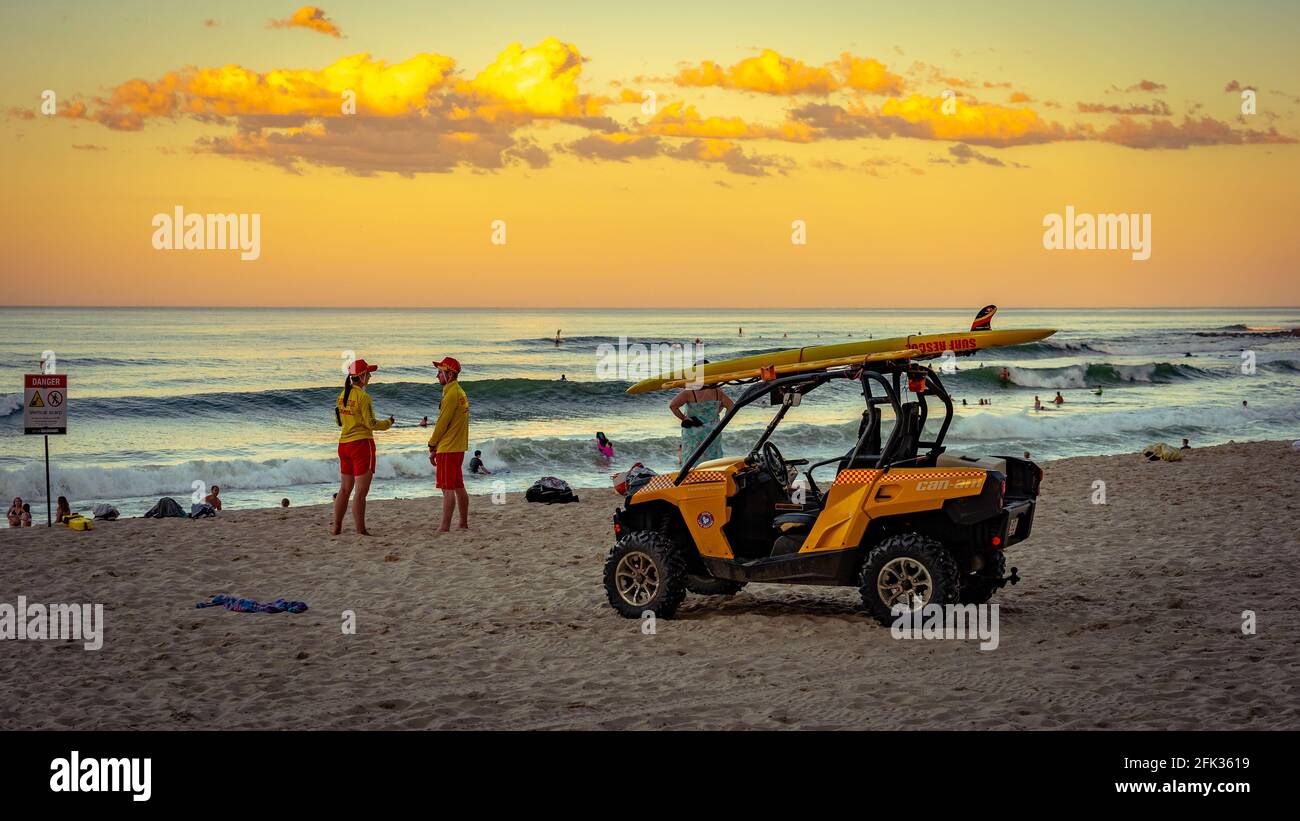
476,464
1059,400
1038,403
604,446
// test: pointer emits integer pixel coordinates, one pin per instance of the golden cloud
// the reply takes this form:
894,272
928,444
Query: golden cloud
375,87
541,81
768,73
870,75
309,17
681,120
923,116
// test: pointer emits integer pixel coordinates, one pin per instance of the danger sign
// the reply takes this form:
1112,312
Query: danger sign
45,403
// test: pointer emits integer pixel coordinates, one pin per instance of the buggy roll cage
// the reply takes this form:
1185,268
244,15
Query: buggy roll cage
786,387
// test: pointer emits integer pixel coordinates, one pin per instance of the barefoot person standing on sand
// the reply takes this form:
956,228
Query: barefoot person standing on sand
355,415
448,443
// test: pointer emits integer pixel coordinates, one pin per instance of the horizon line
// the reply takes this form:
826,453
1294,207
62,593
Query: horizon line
647,308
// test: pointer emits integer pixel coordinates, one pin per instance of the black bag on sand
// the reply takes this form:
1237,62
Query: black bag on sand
550,490
167,508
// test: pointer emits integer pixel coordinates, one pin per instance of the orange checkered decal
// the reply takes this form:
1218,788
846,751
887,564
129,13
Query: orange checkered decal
856,477
866,477
695,477
700,476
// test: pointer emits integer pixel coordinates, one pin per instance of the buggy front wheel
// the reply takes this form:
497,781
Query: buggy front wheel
644,573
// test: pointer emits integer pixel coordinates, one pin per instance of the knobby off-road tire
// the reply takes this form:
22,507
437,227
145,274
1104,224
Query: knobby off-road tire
712,586
907,567
977,588
645,571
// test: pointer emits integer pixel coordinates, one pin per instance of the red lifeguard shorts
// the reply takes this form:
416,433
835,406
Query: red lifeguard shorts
357,458
448,467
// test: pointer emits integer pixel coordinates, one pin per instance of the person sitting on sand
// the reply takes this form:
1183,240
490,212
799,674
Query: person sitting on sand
449,442
1038,403
703,411
1059,400
355,415
476,464
63,511
1186,445
16,512
213,498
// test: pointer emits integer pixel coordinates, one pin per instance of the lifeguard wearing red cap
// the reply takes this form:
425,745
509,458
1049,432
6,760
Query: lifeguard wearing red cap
447,363
359,366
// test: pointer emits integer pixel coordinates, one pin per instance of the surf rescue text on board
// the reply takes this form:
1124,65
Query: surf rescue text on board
963,344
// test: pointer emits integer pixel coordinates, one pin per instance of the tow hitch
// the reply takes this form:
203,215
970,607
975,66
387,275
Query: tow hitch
1012,578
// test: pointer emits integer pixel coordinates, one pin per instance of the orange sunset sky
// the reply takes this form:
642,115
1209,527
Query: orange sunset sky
536,114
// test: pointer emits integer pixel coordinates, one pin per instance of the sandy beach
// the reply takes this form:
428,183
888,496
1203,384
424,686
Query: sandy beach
1128,616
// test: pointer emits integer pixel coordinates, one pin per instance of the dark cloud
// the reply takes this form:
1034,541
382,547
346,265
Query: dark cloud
1156,109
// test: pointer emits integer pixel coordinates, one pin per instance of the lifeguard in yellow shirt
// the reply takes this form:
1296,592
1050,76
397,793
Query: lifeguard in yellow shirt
449,442
354,414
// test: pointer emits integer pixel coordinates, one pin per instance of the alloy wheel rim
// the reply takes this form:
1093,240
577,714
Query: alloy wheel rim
904,581
637,579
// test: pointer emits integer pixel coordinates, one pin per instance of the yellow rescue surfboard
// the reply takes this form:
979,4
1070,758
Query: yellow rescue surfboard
798,360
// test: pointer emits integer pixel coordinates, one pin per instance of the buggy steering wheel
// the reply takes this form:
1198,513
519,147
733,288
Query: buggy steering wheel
774,464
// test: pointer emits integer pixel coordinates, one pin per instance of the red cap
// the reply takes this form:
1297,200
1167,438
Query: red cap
359,367
447,362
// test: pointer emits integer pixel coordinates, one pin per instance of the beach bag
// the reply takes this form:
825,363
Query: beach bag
202,510
167,508
78,523
550,490
633,479
106,512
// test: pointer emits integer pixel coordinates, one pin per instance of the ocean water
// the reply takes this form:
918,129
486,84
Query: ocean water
162,398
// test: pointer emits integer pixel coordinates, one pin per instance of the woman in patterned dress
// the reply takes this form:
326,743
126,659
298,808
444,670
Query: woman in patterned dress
700,411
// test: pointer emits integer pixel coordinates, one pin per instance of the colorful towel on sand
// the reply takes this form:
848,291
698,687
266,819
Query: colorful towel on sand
251,606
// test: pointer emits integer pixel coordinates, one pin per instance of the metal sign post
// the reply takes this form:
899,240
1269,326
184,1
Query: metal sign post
45,412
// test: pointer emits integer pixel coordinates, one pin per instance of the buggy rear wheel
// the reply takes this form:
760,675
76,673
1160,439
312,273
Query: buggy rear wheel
910,571
644,573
